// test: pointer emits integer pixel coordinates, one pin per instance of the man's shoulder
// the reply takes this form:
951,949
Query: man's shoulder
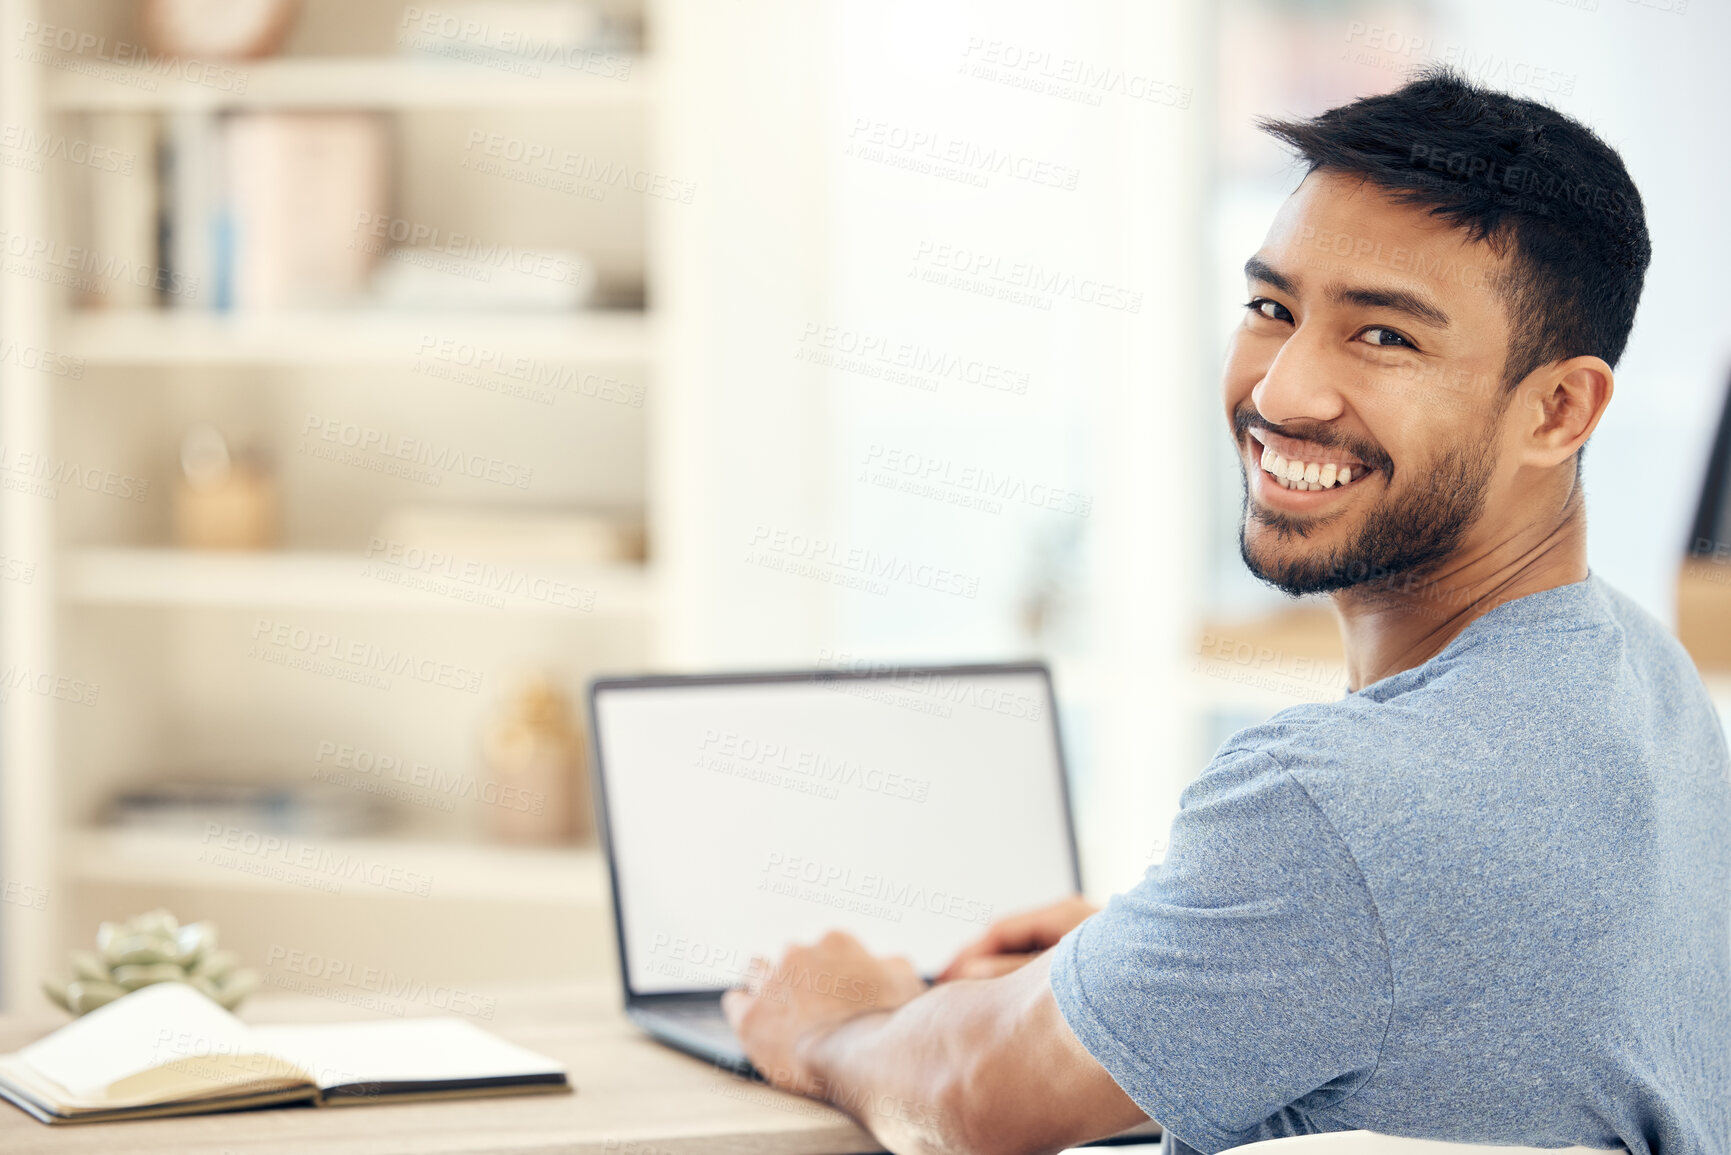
1550,732
1592,626
1537,670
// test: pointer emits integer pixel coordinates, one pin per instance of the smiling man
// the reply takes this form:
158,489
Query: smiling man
1486,897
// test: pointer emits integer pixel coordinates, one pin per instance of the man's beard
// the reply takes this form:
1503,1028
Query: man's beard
1402,534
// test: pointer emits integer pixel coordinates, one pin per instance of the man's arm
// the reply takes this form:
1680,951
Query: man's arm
995,1059
973,1066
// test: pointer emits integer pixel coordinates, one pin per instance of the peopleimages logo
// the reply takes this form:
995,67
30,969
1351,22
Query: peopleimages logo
727,751
878,355
350,443
145,68
881,895
1037,69
329,865
825,559
26,142
41,360
562,170
354,763
340,972
1017,281
939,687
529,262
455,355
460,36
61,687
931,152
87,270
928,475
284,643
468,579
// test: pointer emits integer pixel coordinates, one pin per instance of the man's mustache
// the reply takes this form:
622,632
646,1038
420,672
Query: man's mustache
1246,418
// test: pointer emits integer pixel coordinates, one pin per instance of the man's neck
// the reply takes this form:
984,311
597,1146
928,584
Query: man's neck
1395,626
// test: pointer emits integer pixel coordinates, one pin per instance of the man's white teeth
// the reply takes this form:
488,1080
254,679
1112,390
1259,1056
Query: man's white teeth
1304,474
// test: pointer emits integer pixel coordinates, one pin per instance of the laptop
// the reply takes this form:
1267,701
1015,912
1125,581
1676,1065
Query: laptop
741,813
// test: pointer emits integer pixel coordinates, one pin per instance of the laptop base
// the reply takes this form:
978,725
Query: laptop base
693,1024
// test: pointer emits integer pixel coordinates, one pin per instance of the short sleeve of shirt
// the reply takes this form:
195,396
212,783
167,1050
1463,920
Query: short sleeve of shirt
1245,975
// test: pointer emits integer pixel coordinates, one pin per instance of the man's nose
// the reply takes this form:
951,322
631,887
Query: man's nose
1303,382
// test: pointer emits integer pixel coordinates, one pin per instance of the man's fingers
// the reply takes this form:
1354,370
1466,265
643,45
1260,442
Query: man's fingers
990,967
999,938
733,1005
983,948
1017,934
757,973
1027,933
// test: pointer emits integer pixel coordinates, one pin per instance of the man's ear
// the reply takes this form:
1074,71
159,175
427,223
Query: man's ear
1560,405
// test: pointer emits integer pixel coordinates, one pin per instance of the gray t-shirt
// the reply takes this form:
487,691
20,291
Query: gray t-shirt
1486,900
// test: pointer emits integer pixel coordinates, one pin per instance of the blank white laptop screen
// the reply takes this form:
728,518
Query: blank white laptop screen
911,809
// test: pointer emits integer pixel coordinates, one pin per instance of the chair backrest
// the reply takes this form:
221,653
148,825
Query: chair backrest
1370,1143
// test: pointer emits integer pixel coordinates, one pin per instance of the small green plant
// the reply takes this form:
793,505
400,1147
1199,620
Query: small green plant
147,949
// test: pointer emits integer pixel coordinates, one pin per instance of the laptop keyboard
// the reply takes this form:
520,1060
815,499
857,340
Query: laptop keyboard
703,1018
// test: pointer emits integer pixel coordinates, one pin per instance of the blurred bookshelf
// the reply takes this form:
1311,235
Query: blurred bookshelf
572,876
355,82
161,337
502,897
178,577
708,195
514,327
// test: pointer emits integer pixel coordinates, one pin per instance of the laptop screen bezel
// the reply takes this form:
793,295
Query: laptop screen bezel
598,769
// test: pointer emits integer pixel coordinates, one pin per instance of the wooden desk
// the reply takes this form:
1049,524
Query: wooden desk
634,1097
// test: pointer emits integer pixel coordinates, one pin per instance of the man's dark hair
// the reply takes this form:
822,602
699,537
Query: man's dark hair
1542,189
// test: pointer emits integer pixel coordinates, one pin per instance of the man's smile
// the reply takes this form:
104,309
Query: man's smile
1288,467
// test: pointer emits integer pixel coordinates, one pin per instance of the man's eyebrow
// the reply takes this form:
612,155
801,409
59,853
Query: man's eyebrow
1257,269
1398,300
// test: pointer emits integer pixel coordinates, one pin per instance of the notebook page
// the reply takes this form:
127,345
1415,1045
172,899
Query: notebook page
434,1050
148,1028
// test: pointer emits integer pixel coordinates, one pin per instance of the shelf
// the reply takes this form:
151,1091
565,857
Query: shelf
347,82
1704,615
343,581
1265,664
358,867
1718,684
168,337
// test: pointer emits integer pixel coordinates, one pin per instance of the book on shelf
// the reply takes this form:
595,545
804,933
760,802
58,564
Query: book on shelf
117,203
191,202
579,537
271,211
190,806
297,183
169,1050
258,210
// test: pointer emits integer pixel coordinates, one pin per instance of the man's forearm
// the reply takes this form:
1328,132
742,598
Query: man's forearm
978,1066
904,1074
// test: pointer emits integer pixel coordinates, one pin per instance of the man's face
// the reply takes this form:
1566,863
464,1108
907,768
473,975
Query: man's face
1364,390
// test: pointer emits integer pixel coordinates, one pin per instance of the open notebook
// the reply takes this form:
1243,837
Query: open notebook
168,1050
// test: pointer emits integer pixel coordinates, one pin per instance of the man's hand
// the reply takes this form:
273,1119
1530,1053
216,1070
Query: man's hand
781,1010
1014,941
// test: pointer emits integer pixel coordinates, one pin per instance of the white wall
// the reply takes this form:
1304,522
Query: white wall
741,113
858,106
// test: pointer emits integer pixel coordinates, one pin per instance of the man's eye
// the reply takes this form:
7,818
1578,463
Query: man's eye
1387,337
1273,310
